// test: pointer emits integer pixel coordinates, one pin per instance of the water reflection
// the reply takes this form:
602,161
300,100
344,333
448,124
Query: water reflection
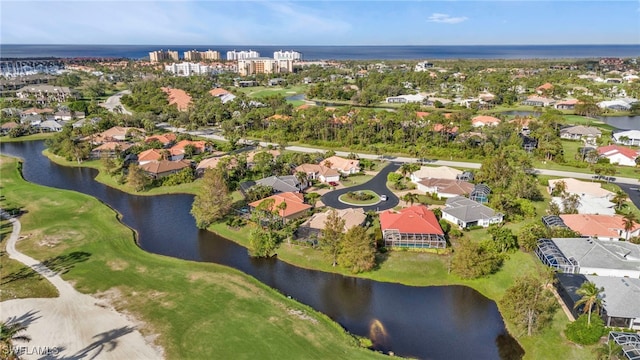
449,322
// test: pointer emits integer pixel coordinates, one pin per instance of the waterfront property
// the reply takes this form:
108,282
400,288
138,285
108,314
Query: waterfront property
161,168
630,137
580,132
312,227
412,227
485,120
466,212
590,256
620,308
619,154
293,208
629,342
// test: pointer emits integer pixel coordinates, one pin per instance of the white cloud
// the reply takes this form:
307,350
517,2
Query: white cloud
446,18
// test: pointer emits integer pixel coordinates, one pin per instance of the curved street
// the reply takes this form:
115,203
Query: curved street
377,184
73,325
113,102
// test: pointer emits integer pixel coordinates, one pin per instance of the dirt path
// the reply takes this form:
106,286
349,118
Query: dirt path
73,325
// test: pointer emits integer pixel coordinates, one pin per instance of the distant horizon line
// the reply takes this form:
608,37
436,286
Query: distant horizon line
283,45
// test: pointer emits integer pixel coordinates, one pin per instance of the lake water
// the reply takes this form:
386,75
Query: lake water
619,122
445,322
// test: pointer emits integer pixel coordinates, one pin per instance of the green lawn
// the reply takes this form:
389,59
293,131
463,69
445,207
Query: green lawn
356,179
198,310
262,91
348,200
38,136
18,281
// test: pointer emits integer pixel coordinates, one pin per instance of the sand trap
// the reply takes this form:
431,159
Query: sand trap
73,325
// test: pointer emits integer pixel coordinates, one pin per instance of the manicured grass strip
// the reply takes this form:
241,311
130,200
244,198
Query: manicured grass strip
18,281
198,310
351,201
39,136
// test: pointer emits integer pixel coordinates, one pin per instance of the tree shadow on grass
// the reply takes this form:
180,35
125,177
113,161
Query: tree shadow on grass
56,265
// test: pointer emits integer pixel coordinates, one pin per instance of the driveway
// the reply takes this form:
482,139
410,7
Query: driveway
114,101
73,325
378,185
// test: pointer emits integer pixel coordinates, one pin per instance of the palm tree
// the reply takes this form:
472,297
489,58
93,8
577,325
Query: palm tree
629,221
9,332
302,178
410,198
590,298
619,199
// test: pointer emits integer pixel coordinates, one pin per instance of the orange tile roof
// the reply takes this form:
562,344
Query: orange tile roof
316,168
150,155
546,86
596,225
199,145
112,146
440,127
162,138
213,162
295,203
416,219
342,164
303,106
37,111
485,120
279,117
178,97
218,92
421,114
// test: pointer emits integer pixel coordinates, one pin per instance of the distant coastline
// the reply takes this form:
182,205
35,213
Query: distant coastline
361,52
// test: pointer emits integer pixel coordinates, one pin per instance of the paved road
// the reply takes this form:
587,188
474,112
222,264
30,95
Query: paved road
73,325
378,184
114,101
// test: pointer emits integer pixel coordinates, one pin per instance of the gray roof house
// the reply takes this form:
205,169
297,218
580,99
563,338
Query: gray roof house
279,184
629,137
580,132
621,306
50,125
465,212
590,256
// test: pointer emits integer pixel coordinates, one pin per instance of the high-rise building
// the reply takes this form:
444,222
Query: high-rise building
161,55
192,55
210,55
187,69
287,55
263,65
242,55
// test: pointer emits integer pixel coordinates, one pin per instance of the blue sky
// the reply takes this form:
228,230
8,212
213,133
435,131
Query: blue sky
320,22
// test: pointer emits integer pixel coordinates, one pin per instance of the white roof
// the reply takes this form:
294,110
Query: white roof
631,134
441,172
574,186
591,205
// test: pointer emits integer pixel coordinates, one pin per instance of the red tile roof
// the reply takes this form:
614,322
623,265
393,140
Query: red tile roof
596,225
610,150
162,138
218,92
416,219
295,203
150,155
546,86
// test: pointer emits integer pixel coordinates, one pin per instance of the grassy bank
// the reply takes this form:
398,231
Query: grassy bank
39,136
429,269
17,280
104,178
198,310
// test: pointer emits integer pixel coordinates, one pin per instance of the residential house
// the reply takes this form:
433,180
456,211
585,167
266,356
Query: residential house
178,152
150,155
109,149
538,101
601,227
622,104
8,126
180,98
466,212
412,227
465,176
344,166
319,172
164,139
580,132
162,168
67,115
621,307
252,154
590,256
573,186
212,163
619,154
405,99
50,126
484,120
36,111
567,104
434,101
544,88
629,137
224,95
445,188
116,133
589,204
294,205
45,94
84,121
279,184
430,172
312,227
